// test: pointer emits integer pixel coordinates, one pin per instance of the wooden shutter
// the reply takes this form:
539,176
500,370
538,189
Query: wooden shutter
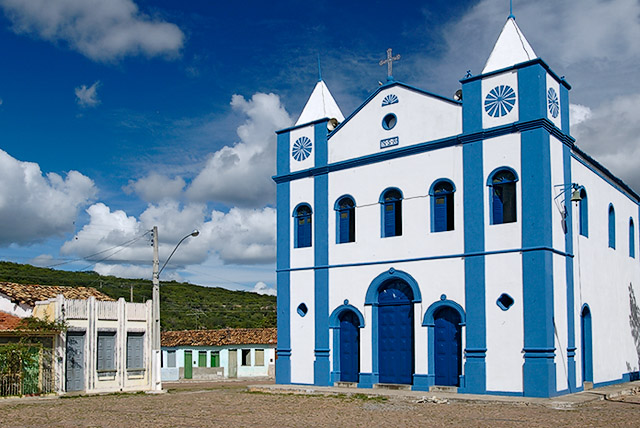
389,219
344,226
440,214
497,204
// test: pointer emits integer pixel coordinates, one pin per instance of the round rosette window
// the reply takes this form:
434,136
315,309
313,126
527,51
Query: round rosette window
500,101
553,102
301,149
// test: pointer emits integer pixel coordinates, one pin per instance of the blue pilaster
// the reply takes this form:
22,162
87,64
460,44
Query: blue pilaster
283,362
474,224
321,366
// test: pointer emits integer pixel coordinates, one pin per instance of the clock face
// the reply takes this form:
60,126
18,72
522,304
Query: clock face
500,101
553,103
301,149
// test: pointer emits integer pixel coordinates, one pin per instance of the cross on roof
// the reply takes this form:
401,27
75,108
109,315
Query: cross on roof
389,62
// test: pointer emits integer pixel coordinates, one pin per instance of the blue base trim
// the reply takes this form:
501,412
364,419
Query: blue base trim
626,377
367,380
322,369
506,393
422,382
283,367
335,377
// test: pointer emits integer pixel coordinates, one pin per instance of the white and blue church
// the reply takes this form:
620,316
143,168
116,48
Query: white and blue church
461,242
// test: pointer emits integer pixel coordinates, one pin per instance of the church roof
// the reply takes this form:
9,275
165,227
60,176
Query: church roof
320,105
510,49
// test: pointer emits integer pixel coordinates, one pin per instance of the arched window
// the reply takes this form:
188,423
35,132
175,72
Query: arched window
302,226
583,206
632,239
391,202
442,205
345,220
612,227
503,196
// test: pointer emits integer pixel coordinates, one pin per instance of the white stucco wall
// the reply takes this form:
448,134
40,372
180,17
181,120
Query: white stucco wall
302,328
18,309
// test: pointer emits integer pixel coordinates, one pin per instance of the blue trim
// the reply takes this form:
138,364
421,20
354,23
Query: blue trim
438,181
283,163
334,321
283,246
626,377
539,372
501,168
468,138
321,365
564,109
388,86
296,226
612,226
302,125
568,247
371,298
397,211
301,204
545,66
386,125
448,256
429,322
336,205
586,342
583,212
381,199
474,230
449,204
339,211
632,239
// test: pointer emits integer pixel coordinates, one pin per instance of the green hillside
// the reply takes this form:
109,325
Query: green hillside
182,306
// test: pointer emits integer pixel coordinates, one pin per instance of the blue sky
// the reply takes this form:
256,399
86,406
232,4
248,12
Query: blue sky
117,116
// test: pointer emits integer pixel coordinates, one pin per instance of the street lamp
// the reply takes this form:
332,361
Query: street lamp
156,378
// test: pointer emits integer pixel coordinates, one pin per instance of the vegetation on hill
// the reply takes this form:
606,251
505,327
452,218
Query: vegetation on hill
183,306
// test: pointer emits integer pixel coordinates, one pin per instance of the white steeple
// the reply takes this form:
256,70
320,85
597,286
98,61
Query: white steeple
510,49
320,105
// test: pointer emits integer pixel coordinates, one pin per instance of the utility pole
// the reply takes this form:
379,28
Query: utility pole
131,293
155,299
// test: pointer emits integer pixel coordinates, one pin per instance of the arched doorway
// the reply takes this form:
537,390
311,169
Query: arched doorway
587,351
448,347
395,332
349,346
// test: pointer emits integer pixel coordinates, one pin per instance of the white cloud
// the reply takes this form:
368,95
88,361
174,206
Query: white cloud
578,114
87,96
156,187
101,30
241,174
35,207
612,136
241,236
262,288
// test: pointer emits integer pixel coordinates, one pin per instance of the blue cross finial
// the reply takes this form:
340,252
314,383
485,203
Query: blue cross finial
511,15
319,70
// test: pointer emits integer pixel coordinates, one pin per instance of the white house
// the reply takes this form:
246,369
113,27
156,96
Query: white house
464,242
106,345
218,354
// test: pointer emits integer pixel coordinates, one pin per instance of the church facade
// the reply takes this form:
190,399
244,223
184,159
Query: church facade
464,242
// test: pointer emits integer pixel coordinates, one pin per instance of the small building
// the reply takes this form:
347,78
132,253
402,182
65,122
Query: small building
106,345
218,354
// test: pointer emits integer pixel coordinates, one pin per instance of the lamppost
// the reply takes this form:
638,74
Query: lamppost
156,378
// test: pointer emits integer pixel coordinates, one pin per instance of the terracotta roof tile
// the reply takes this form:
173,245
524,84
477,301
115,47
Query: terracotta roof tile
8,321
30,294
229,336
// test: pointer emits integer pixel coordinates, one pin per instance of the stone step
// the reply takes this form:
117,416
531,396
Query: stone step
345,384
442,388
395,386
587,385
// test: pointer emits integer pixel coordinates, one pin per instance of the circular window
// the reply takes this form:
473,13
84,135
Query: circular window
389,121
302,309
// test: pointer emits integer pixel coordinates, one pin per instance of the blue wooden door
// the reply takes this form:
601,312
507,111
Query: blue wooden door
349,347
75,362
440,214
448,344
587,350
395,334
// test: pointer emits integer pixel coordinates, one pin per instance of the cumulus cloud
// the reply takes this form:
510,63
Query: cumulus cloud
155,187
578,114
35,206
612,136
100,30
240,236
240,174
87,96
262,288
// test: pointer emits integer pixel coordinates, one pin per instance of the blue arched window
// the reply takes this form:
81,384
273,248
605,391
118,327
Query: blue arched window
345,220
391,202
583,206
302,227
612,227
503,196
442,205
632,239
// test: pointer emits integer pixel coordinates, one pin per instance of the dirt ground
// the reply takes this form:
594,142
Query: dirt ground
228,404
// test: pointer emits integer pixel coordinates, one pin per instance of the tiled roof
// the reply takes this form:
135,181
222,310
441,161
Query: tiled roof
8,321
30,294
229,336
